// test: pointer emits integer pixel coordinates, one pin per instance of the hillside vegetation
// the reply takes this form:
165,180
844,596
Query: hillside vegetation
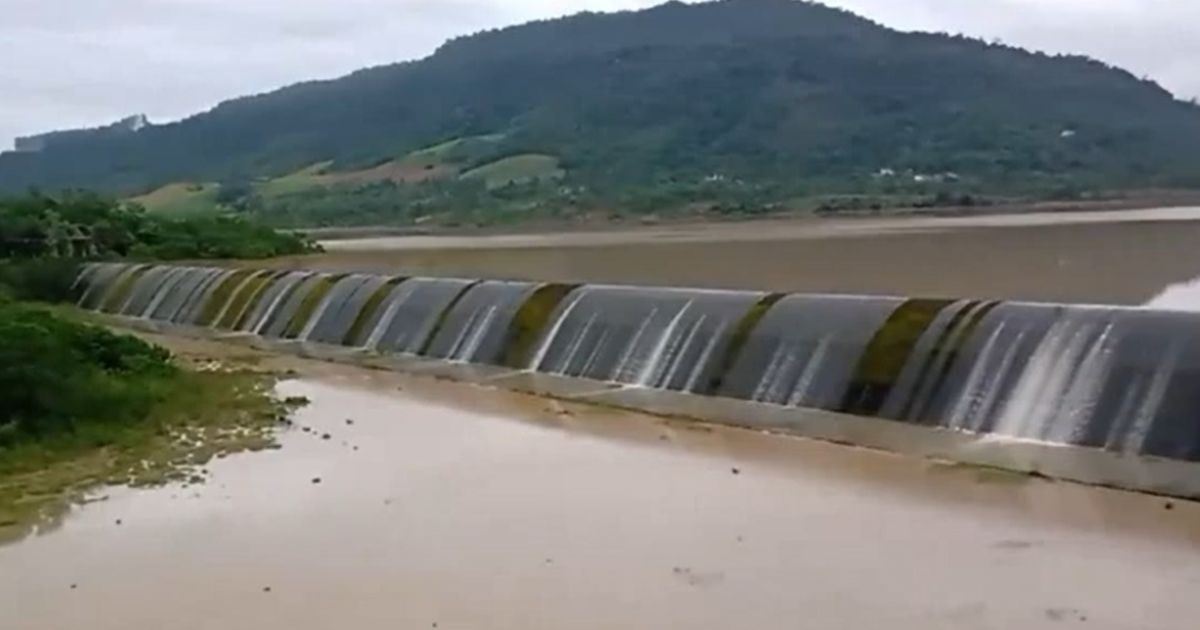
741,104
81,406
77,225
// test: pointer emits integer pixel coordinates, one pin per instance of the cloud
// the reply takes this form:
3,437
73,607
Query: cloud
1155,38
71,63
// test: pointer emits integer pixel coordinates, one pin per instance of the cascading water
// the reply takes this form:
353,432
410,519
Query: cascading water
658,338
180,295
476,329
805,350
174,277
270,301
326,313
1126,380
145,289
332,321
196,300
410,313
281,317
242,285
913,392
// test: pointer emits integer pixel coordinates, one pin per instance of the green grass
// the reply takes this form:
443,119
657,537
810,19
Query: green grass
182,200
444,157
517,169
303,179
82,406
201,415
453,150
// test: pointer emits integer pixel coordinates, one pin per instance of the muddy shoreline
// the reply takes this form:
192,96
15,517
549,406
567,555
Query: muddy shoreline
468,507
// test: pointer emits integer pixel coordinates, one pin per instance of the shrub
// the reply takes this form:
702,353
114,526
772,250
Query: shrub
61,377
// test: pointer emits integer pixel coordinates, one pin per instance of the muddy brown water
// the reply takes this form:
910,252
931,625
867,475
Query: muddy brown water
1119,257
466,507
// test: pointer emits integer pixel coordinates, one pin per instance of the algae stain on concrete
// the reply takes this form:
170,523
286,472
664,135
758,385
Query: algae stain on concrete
309,304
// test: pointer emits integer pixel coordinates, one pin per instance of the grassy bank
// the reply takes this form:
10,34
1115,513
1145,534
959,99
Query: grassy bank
81,406
84,407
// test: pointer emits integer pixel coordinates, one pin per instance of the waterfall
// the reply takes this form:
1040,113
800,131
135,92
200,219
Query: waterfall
274,297
233,295
653,365
1121,379
539,357
176,276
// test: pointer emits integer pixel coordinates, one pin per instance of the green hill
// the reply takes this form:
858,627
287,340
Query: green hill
517,169
751,100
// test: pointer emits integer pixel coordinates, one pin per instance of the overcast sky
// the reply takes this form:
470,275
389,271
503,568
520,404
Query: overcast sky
72,63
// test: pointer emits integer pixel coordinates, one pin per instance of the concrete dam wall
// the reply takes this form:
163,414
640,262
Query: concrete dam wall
1096,394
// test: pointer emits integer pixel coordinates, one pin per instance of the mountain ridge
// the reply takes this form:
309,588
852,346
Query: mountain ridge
782,96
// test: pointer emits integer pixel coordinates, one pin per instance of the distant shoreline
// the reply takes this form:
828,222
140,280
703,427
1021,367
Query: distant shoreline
1162,199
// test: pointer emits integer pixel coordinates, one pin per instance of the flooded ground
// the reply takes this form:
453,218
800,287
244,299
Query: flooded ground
1124,257
434,504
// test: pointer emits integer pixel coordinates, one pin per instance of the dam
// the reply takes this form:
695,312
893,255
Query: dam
1098,394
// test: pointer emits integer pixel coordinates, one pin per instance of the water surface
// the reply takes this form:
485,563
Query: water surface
470,508
1122,257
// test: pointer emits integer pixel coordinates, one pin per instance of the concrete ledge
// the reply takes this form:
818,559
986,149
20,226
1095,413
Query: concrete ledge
1073,463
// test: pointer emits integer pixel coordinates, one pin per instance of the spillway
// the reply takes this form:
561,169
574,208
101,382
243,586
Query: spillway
658,338
1118,380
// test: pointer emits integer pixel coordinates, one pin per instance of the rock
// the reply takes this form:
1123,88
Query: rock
736,471
349,422
266,589
326,436
1169,506
316,480
118,521
74,586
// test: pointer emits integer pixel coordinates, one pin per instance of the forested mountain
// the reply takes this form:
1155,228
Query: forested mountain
785,93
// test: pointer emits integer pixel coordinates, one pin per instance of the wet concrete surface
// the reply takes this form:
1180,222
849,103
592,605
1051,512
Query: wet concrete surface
437,503
1102,257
